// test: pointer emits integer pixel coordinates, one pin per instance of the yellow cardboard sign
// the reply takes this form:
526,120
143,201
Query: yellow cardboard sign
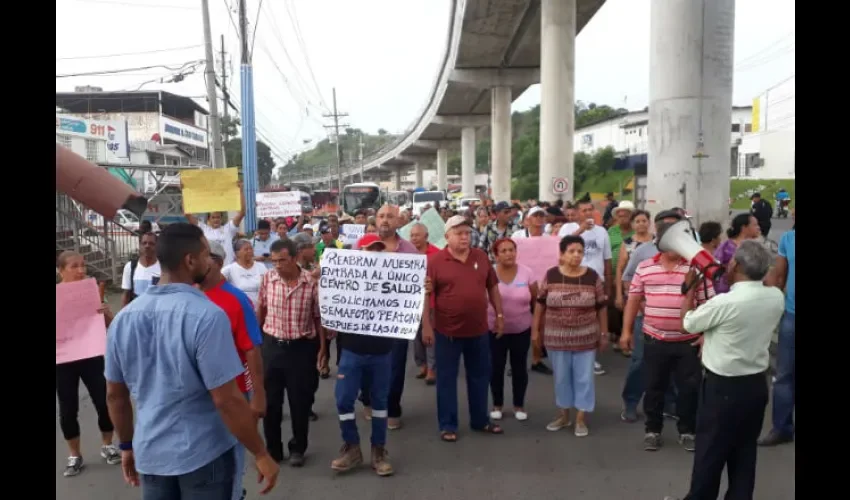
210,190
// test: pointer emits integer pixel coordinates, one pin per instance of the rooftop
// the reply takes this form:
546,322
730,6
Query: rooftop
143,101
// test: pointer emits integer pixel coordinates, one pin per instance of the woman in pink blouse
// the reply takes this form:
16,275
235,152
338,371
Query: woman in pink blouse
517,291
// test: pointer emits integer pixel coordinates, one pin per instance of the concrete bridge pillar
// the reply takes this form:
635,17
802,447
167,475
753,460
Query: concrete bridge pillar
690,106
442,168
467,161
397,179
557,95
417,170
500,143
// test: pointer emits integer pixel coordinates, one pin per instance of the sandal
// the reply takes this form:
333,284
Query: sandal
490,429
448,436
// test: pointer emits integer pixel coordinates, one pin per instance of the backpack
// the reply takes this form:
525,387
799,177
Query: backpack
134,263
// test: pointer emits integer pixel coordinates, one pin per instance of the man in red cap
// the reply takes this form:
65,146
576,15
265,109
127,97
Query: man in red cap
364,357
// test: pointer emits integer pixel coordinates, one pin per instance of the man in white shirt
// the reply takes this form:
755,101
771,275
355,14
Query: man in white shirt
535,220
141,272
262,243
738,327
597,250
223,234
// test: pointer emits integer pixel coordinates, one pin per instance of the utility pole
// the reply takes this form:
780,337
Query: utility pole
250,182
224,87
360,145
215,124
336,115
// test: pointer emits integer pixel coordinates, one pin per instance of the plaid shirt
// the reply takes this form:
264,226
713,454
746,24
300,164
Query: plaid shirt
291,312
493,234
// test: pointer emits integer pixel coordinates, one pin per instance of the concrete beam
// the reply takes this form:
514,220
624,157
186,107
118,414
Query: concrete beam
461,121
416,158
441,144
485,78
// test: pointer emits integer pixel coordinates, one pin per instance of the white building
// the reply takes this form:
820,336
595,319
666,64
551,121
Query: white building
627,133
770,151
94,140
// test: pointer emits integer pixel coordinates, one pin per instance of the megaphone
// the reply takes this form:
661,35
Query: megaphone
679,238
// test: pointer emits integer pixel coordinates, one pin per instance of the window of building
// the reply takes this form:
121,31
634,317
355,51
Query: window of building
64,140
91,150
748,127
736,127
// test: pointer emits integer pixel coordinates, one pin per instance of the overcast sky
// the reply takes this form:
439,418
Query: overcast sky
381,55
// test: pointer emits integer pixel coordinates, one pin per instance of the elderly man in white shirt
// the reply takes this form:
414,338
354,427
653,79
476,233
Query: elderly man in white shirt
738,327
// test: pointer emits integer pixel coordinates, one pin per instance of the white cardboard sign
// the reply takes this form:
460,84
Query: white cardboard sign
372,293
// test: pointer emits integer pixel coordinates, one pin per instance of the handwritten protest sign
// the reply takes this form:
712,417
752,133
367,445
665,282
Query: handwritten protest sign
372,293
80,330
350,233
540,253
210,190
270,205
436,228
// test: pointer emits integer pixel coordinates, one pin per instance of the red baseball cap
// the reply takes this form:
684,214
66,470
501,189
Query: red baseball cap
368,240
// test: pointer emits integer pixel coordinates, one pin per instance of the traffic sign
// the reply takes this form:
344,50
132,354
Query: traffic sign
559,185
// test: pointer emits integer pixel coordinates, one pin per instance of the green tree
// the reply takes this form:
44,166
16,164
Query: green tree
265,162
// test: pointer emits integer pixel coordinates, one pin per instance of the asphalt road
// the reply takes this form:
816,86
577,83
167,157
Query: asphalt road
526,462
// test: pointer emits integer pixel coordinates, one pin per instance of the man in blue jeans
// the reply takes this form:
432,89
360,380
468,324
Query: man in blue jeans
364,356
785,387
462,279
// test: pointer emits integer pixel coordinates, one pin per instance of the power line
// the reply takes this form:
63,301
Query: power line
143,5
127,70
107,56
293,19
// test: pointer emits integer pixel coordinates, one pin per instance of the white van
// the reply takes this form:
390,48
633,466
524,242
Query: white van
423,198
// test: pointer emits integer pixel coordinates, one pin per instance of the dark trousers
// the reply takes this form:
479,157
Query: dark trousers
513,346
290,369
68,376
352,369
729,421
661,362
633,387
398,361
476,362
213,481
615,319
785,387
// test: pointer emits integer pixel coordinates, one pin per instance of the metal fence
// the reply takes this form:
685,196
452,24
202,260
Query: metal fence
105,244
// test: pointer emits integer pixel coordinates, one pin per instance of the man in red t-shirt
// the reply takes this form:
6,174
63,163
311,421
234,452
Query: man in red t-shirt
422,354
246,337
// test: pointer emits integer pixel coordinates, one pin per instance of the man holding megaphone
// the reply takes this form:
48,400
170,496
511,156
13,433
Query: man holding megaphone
669,351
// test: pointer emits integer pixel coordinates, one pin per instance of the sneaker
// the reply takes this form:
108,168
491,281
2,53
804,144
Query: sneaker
74,467
367,412
688,442
774,438
540,367
521,415
597,368
380,462
111,454
581,430
629,415
559,423
393,424
349,458
496,415
296,459
423,372
652,441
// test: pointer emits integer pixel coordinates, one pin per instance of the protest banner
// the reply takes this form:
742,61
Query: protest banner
539,253
210,190
434,223
80,329
350,233
281,204
372,293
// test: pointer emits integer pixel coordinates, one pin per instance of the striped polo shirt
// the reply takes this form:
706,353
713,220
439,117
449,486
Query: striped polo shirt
662,291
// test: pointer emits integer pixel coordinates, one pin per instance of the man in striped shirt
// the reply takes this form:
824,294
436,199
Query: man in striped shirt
669,351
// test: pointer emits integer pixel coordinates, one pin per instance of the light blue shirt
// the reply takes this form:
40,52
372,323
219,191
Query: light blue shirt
171,346
787,249
263,247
